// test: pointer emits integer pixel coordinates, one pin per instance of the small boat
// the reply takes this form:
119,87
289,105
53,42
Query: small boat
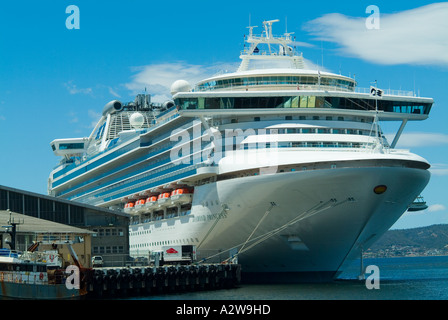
163,198
34,275
129,207
150,201
418,204
182,196
139,205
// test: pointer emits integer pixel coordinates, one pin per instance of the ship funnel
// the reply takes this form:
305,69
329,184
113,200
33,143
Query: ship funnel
143,101
112,107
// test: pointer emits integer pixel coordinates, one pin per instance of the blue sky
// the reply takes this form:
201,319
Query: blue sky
54,81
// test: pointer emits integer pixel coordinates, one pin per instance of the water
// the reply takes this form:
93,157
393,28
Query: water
410,278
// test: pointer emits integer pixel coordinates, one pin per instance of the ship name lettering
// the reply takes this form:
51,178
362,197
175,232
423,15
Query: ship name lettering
210,217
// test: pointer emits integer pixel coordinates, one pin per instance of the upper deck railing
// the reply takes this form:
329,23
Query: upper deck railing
265,85
275,82
389,92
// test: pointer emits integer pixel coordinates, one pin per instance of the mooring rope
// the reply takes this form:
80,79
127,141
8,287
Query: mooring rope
319,207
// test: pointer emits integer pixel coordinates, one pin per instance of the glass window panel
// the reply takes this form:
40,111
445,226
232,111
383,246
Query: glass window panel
3,200
304,102
15,202
295,102
311,102
200,103
31,206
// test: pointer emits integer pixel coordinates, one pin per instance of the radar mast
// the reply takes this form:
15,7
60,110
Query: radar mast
284,53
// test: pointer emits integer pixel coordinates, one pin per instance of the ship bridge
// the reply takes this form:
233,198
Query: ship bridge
389,107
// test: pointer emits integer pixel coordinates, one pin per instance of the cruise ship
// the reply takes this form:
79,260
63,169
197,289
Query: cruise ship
282,167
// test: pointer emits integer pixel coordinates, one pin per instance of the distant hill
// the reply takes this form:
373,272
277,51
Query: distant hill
432,240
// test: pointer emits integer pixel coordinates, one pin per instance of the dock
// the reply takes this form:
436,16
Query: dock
147,280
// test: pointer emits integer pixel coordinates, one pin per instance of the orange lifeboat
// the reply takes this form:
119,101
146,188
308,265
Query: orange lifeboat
182,195
129,207
139,204
150,201
163,198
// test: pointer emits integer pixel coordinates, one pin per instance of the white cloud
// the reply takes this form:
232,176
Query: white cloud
113,92
420,139
439,169
417,36
301,44
73,89
431,208
436,207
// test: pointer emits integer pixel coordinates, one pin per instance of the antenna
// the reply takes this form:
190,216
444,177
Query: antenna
414,85
268,27
251,31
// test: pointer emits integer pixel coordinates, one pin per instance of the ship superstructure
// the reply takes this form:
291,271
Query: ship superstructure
283,167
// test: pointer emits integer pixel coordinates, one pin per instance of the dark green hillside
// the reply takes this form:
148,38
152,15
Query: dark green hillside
432,240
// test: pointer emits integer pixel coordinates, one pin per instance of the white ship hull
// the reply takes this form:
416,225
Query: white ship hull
308,222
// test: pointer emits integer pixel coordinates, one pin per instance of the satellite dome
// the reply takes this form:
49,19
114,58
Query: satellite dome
136,120
180,86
